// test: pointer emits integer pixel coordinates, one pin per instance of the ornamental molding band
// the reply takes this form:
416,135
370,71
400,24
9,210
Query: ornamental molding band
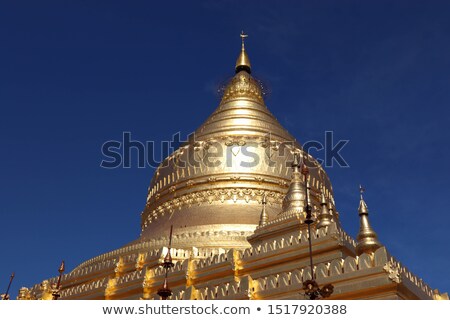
280,284
229,243
194,269
243,86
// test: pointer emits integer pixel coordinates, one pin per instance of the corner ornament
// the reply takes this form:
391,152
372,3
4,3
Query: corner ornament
393,271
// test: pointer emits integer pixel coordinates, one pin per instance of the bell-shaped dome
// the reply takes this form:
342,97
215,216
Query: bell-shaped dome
211,188
242,112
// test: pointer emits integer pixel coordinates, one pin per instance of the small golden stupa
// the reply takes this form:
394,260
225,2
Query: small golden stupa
238,222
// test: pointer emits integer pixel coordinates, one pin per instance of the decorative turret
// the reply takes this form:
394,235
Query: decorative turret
243,62
264,216
367,239
324,218
294,200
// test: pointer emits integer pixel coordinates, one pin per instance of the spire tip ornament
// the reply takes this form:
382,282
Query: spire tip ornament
243,36
324,218
362,209
243,62
264,218
62,267
367,238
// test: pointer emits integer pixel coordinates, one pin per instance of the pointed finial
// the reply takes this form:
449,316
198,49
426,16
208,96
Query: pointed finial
243,36
264,218
367,239
243,62
61,267
363,209
361,190
324,218
296,162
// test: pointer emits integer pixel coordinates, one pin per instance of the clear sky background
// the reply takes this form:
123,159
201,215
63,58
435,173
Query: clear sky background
74,74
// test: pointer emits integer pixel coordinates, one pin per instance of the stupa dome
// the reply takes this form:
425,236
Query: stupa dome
211,188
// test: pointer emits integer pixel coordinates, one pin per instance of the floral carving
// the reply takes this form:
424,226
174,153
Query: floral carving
393,270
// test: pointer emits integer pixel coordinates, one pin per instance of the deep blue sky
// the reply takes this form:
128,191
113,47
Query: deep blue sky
74,74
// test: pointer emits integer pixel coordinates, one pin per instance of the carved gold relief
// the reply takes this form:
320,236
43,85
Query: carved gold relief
140,261
393,271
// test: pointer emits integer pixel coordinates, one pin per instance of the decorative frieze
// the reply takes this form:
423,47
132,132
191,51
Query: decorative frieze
197,266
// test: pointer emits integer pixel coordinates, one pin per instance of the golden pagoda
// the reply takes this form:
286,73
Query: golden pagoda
239,228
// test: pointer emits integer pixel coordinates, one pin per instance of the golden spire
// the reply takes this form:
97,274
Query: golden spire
243,62
264,218
324,217
243,36
362,209
293,202
367,239
242,112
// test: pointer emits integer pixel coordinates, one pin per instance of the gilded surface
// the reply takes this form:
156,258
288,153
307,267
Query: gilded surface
204,182
367,237
238,231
